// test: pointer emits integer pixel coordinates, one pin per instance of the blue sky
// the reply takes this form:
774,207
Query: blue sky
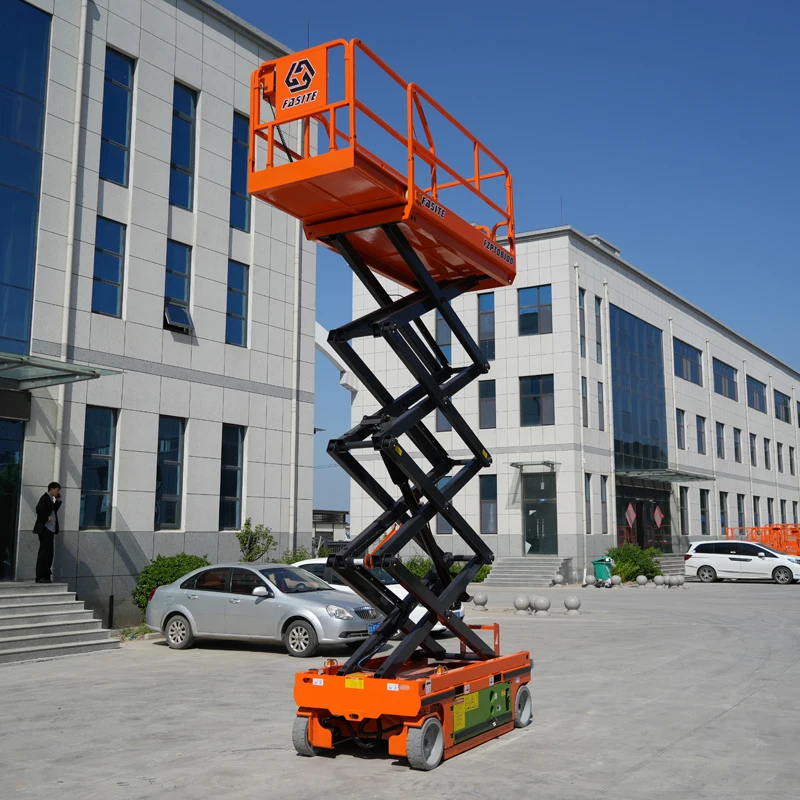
670,128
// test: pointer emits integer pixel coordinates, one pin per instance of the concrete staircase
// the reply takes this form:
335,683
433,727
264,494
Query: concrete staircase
523,571
44,620
672,564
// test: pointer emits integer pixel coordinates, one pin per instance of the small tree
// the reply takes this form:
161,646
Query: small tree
162,570
254,543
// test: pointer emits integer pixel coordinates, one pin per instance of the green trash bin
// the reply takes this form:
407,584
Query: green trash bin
602,568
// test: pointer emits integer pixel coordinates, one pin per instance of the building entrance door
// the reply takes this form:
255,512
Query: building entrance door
540,514
643,517
11,433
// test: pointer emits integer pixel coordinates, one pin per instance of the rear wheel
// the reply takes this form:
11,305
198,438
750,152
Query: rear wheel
300,738
782,575
707,574
425,745
300,639
179,633
523,707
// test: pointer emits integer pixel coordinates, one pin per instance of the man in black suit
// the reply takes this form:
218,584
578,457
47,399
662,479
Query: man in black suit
46,528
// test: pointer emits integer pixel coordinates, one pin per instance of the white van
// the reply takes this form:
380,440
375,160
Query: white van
725,559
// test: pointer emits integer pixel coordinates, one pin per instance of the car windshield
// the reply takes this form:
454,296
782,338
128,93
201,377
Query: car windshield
290,580
383,576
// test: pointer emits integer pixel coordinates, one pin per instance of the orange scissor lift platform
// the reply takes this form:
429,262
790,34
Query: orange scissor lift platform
385,220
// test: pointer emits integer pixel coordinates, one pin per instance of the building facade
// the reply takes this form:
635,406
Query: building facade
156,325
614,410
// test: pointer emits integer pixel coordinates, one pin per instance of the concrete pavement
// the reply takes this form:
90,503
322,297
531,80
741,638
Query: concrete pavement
653,693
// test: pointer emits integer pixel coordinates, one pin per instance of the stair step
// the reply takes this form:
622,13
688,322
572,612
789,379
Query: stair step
86,623
25,587
27,610
39,639
31,598
57,650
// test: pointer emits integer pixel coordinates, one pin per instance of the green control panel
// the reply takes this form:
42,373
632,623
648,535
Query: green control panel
476,712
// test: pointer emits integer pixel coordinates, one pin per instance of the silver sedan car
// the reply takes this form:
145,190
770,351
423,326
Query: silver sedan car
258,602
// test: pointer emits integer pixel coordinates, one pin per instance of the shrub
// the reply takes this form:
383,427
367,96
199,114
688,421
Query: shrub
420,565
290,556
162,570
631,561
254,543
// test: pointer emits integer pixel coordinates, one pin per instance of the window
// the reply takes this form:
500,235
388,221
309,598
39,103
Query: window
680,419
243,581
487,404
443,527
601,409
783,407
587,483
720,440
767,464
753,451
443,337
779,454
536,400
688,362
176,287
486,324
770,511
684,508
488,503
240,197
181,178
725,380
756,511
704,512
442,423
723,512
795,520
109,256
756,395
598,329
737,445
740,521
604,503
783,512
212,580
535,310
585,403
98,467
230,483
236,320
169,473
117,101
582,311
791,460
701,435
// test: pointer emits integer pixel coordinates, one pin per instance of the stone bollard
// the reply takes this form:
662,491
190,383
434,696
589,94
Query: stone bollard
572,604
480,601
652,584
558,580
521,603
641,581
541,606
590,580
674,581
616,580
658,580
682,580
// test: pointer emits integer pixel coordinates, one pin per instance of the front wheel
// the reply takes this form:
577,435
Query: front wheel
782,575
523,707
425,745
300,738
300,639
707,574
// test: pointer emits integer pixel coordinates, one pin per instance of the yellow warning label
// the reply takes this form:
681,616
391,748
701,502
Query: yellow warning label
471,702
459,716
353,683
398,449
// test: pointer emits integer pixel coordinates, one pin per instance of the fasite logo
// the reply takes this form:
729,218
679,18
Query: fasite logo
297,80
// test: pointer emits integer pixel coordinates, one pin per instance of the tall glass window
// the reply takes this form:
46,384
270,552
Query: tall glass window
535,310
688,362
176,287
117,102
585,402
24,47
757,395
770,511
109,257
753,450
604,503
767,449
443,527
640,409
488,503
582,312
442,423
756,511
737,445
98,467
723,513
236,321
487,411
486,324
240,197
740,520
169,473
791,460
783,407
587,498
795,520
181,178
601,407
537,406
720,440
725,380
444,337
704,512
701,435
598,329
680,422
783,512
779,454
684,508
230,484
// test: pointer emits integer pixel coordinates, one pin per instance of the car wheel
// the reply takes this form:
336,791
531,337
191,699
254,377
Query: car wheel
782,575
425,745
707,574
523,707
179,633
300,738
300,639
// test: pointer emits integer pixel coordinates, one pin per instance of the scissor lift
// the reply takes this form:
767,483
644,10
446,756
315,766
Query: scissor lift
428,703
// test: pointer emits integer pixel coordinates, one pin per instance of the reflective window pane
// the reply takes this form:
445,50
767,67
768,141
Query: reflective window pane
98,467
180,189
22,118
18,217
24,41
232,454
105,298
15,314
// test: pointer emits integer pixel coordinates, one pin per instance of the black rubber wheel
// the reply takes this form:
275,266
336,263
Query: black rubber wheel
425,745
300,738
523,707
300,639
782,575
707,574
179,633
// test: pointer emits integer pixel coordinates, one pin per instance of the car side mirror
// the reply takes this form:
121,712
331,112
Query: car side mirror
762,555
261,591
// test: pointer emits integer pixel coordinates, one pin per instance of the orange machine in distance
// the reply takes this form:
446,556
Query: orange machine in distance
351,189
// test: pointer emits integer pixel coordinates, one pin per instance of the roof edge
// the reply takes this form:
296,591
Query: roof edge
231,18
